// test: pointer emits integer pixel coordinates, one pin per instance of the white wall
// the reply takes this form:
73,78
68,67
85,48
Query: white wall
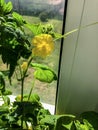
78,83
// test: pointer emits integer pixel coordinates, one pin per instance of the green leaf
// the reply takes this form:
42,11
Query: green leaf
4,109
91,117
8,8
88,124
5,72
18,18
1,74
9,57
42,113
35,28
41,66
68,126
80,126
2,3
57,121
2,82
2,19
65,120
10,118
6,92
2,124
43,73
34,98
49,119
6,100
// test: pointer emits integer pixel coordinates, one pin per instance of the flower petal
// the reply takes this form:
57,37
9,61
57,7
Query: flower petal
43,45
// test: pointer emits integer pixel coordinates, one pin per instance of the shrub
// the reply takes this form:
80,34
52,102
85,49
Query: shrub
43,16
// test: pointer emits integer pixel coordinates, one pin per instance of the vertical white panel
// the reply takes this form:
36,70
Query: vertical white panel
78,83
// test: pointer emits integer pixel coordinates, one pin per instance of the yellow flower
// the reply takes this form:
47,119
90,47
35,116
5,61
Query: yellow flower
24,66
43,45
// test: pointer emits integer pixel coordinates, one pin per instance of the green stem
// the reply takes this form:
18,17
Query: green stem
31,89
22,89
23,75
22,82
23,78
75,30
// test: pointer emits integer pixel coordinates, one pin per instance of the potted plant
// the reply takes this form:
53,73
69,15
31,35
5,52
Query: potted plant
18,52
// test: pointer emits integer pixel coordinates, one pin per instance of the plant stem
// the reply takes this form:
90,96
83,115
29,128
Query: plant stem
75,30
23,75
31,89
22,89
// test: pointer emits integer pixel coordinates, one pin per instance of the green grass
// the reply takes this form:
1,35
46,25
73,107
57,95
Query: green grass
56,23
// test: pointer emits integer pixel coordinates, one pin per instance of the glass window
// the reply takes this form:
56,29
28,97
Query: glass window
41,11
